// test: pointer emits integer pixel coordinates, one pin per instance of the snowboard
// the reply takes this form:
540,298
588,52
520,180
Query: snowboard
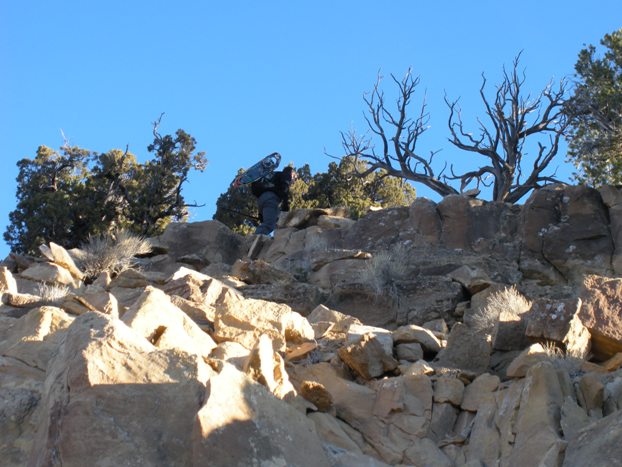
262,168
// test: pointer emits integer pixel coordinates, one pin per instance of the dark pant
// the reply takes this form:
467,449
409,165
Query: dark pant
268,204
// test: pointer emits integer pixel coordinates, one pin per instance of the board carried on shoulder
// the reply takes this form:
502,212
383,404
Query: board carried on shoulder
261,169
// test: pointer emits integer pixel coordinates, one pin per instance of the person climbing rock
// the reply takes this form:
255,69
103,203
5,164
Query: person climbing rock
272,193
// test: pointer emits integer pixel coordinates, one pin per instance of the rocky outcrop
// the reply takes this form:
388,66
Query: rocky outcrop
377,342
602,297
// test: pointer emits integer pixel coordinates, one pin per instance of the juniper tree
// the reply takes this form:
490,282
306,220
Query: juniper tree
595,137
68,195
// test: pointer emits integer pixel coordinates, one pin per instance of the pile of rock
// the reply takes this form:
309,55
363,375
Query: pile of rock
321,352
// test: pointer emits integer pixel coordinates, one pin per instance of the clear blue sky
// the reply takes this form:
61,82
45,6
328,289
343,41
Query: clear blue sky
248,78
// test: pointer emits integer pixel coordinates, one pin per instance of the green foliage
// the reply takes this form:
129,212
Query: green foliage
337,187
340,187
237,209
47,187
70,195
595,140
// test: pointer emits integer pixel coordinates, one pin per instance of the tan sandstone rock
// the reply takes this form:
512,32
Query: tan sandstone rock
317,394
245,320
340,322
106,391
232,353
57,254
559,321
413,333
448,389
21,300
367,357
411,352
50,273
466,350
154,317
602,298
388,414
532,355
473,279
7,281
591,394
267,367
94,298
34,338
596,444
480,392
21,387
241,423
538,440
331,431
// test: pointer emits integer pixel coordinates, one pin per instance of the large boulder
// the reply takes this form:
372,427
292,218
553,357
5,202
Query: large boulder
466,349
245,320
50,273
389,413
596,444
57,254
300,296
154,317
472,224
377,229
210,241
558,321
566,228
411,333
425,298
7,281
35,337
21,386
538,440
106,391
241,424
600,313
612,198
423,227
267,367
367,357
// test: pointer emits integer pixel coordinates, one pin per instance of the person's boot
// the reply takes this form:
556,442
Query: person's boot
257,245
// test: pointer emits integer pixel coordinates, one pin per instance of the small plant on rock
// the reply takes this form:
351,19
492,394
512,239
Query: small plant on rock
508,300
113,253
52,294
384,268
562,360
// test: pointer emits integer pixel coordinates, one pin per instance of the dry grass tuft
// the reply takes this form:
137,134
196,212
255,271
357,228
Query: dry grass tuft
384,268
562,360
52,294
114,253
508,300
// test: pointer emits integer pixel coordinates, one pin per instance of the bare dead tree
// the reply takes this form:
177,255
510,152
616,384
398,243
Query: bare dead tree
398,135
513,120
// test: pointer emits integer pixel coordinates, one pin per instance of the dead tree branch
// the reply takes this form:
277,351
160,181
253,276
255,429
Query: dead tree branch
513,120
398,135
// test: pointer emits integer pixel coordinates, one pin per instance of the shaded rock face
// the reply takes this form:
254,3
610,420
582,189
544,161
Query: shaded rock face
600,312
209,241
568,228
483,227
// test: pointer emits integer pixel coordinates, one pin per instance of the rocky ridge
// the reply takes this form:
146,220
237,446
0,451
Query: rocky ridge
441,334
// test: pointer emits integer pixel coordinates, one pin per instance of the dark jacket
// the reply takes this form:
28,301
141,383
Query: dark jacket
278,183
